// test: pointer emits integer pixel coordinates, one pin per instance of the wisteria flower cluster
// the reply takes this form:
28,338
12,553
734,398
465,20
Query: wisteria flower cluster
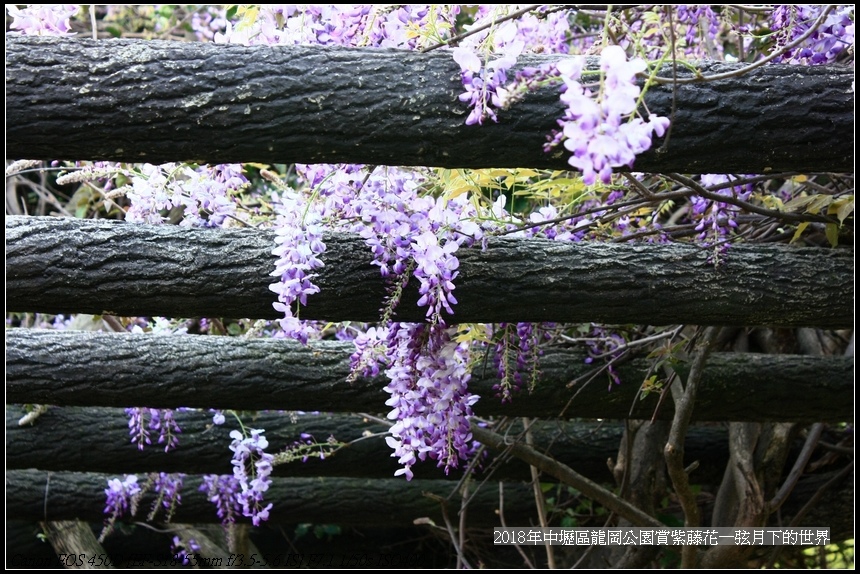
601,128
167,488
600,134
223,491
482,83
183,550
252,469
826,43
604,343
430,400
203,194
716,220
42,19
160,420
299,239
517,352
409,235
122,497
355,25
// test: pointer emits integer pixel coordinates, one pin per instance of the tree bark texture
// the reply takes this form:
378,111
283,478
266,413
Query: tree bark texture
54,442
83,266
155,101
35,495
76,538
169,371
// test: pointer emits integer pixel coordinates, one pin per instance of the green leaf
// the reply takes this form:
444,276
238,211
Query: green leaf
568,522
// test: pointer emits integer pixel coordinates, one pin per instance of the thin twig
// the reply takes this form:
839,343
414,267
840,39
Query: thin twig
808,506
463,513
792,217
567,475
799,465
798,518
639,342
539,500
502,522
464,35
461,560
674,449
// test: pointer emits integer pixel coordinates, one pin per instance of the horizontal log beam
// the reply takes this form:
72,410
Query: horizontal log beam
38,495
155,101
41,495
83,266
168,371
106,447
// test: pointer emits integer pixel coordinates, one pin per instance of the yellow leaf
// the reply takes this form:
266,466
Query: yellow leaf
799,202
842,208
800,230
831,230
819,202
456,192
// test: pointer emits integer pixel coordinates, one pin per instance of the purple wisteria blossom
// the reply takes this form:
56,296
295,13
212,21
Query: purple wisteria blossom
203,194
42,19
182,549
121,499
167,488
252,468
430,400
121,495
223,491
716,220
517,352
299,244
354,25
370,349
604,343
482,83
825,45
599,133
142,420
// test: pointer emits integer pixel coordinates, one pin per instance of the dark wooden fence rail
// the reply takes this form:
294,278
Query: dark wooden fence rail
86,266
135,101
121,370
345,501
106,448
154,101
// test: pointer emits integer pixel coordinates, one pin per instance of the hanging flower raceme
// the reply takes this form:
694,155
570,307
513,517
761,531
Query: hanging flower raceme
223,491
252,468
598,128
299,243
430,400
